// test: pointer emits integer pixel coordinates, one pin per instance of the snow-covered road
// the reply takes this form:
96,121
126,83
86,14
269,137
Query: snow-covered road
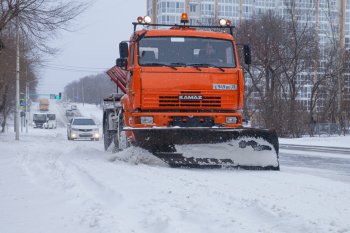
50,184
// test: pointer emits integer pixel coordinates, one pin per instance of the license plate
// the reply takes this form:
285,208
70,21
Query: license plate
230,87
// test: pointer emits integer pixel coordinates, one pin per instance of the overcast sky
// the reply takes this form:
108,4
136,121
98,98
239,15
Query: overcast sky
93,46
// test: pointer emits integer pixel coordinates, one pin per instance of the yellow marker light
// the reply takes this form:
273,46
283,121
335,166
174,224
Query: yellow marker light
223,22
184,18
139,19
148,19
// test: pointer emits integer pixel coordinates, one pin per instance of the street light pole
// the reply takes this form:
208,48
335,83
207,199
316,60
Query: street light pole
17,81
27,101
82,85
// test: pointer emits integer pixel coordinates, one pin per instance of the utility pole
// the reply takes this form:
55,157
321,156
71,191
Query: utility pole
154,11
27,101
82,87
216,9
341,60
17,81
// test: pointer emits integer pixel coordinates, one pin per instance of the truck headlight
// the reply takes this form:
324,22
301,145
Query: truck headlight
231,120
96,135
146,120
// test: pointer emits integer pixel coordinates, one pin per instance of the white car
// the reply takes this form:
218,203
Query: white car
82,128
51,122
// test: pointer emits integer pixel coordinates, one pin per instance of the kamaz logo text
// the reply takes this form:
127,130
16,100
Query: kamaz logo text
190,97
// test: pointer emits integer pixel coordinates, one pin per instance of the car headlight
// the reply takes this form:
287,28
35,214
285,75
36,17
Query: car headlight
96,135
146,120
231,120
73,135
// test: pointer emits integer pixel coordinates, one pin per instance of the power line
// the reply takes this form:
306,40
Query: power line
78,67
74,68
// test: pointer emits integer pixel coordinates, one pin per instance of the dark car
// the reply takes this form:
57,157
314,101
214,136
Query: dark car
39,119
69,113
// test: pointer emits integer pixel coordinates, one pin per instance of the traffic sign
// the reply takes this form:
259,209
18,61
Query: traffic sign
22,103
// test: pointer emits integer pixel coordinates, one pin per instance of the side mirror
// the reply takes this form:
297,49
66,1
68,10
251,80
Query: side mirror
122,63
247,55
123,50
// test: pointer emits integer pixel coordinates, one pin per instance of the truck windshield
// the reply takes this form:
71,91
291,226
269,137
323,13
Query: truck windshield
40,117
186,51
83,122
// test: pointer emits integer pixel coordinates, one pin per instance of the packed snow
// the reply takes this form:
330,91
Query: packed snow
50,184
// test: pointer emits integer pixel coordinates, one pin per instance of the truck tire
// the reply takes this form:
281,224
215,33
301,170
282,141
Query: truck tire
120,140
107,134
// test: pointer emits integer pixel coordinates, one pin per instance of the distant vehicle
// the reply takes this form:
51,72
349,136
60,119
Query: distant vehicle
73,107
82,128
69,113
44,105
39,119
51,122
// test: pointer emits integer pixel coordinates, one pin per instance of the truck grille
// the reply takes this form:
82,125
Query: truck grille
173,101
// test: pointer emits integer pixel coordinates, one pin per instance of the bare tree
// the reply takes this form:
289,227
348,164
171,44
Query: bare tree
297,56
91,89
284,50
39,19
265,34
7,72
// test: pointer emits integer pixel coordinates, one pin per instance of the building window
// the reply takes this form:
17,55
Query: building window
193,8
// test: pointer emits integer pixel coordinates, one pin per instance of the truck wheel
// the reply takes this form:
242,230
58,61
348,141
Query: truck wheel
107,134
120,140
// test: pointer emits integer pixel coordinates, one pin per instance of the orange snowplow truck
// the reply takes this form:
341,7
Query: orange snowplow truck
183,95
44,105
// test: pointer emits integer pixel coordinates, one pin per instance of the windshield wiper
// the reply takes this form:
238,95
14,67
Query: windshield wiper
184,65
159,64
206,65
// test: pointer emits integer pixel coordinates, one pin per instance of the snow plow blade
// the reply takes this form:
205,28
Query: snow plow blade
253,149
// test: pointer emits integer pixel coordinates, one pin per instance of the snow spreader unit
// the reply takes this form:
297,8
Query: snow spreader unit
182,98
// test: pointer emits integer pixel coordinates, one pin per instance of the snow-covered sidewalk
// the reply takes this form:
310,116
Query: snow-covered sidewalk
323,140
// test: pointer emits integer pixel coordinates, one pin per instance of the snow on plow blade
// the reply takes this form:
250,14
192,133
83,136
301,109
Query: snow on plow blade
254,149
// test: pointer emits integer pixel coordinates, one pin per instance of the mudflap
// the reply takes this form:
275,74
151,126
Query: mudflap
248,148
